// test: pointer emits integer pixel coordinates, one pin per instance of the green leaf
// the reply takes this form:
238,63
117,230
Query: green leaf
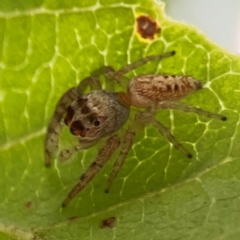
48,47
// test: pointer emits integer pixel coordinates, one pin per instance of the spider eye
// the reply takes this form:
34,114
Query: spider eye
96,123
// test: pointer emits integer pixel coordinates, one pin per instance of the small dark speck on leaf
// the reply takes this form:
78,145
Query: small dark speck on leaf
108,223
146,27
71,219
28,204
224,118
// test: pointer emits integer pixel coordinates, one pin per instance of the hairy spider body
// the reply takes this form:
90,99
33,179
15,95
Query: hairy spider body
96,115
147,90
101,113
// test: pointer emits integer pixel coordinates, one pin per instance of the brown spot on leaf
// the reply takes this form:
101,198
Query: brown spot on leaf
71,219
146,27
28,204
108,223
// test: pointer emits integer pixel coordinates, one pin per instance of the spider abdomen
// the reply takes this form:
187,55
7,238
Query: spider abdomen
147,90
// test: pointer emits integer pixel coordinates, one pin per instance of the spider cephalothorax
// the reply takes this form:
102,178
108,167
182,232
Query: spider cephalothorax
96,115
101,113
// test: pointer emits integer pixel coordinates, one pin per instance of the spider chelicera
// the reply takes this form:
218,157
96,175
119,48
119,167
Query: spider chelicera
101,113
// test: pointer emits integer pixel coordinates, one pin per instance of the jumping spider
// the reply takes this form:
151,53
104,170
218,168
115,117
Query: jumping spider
102,113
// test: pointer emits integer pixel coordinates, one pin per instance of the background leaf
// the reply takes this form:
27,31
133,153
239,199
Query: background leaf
48,47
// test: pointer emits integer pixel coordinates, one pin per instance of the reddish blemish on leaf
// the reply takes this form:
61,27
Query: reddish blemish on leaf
28,204
146,27
71,219
108,223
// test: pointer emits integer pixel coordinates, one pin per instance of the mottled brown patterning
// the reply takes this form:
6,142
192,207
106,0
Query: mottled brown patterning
147,90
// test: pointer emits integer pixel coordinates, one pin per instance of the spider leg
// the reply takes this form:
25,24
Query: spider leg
65,154
108,72
128,68
103,156
125,148
105,70
186,108
147,117
93,80
55,126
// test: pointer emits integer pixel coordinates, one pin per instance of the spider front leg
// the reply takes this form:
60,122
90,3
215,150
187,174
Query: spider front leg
148,118
65,154
55,125
103,156
125,148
